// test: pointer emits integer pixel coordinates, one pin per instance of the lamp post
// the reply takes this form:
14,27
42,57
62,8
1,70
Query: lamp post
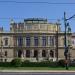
66,51
65,34
69,42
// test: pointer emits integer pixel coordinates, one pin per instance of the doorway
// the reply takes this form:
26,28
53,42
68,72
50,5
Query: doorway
19,53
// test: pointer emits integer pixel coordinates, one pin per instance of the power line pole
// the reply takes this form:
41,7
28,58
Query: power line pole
65,34
66,49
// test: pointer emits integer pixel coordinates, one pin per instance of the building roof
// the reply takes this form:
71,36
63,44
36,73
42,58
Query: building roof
35,19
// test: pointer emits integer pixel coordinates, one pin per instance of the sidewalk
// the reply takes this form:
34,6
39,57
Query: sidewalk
37,71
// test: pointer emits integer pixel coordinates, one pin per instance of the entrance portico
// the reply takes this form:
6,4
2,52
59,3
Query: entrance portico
36,54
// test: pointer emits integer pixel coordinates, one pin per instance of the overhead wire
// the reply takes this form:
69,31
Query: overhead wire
4,18
42,2
36,2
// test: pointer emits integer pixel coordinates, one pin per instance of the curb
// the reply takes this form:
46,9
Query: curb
34,71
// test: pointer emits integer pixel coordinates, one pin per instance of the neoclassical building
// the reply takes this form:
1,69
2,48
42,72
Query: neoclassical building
34,39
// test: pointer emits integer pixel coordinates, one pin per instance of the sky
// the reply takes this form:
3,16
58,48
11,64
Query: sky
22,9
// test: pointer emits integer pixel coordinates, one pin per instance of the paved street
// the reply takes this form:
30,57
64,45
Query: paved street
35,73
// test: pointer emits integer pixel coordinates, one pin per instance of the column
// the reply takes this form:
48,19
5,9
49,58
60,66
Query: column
32,41
25,41
12,40
54,41
48,54
39,53
17,41
48,40
24,53
17,53
31,53
40,41
54,53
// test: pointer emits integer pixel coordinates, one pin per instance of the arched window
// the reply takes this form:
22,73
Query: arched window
43,53
27,53
51,53
19,53
35,53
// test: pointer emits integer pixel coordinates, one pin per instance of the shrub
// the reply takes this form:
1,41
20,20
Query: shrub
72,64
26,61
5,64
39,64
53,64
47,61
61,63
16,62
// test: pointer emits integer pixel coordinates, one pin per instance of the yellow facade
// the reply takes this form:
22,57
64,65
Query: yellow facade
34,39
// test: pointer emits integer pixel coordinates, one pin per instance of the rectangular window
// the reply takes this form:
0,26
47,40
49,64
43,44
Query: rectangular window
6,53
35,41
44,41
6,41
52,40
27,41
20,41
29,27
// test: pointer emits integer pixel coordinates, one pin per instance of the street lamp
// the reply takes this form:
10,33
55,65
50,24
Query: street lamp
69,42
66,48
65,34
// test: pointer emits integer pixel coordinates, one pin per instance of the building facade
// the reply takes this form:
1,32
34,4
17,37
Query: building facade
35,39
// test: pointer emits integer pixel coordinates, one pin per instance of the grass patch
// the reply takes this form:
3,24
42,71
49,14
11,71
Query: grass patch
35,68
24,68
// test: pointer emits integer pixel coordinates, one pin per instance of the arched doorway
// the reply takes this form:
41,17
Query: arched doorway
27,53
35,53
51,53
43,53
19,53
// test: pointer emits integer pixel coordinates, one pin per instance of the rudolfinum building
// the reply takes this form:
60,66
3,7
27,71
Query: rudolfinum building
35,39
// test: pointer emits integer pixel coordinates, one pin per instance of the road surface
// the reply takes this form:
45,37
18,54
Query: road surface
36,73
